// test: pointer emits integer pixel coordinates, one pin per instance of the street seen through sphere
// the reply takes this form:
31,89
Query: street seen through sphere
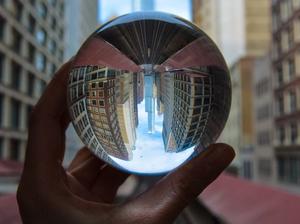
148,91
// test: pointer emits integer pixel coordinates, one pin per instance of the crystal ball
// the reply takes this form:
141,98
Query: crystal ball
148,91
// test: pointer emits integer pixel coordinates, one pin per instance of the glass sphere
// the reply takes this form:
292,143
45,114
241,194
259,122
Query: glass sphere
148,91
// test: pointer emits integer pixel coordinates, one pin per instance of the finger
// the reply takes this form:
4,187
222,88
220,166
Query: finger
48,121
169,196
82,155
86,167
107,183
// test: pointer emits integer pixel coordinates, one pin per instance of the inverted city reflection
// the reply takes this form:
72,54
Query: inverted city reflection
148,91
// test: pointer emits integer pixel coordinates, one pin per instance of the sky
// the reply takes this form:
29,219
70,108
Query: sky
150,157
112,8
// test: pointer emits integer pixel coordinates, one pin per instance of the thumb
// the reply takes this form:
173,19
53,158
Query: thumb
170,195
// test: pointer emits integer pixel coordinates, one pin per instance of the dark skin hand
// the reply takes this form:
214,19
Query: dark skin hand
84,193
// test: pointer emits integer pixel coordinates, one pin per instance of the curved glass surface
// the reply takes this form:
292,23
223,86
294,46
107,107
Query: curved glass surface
148,91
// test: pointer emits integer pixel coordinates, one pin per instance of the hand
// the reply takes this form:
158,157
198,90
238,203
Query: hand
84,193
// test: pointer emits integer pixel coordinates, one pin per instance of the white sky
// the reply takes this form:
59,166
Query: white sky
110,8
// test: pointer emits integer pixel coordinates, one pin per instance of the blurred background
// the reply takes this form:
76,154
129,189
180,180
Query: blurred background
260,40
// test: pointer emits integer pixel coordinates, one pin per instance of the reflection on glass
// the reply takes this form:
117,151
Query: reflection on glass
148,91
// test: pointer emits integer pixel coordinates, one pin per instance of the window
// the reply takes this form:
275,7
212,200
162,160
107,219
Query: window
42,10
289,169
101,103
263,138
2,27
247,169
53,23
280,105
1,66
16,41
291,68
40,62
15,76
17,9
61,55
15,113
52,46
41,36
31,53
293,101
264,167
30,84
1,147
263,112
31,24
1,109
29,109
14,149
294,133
290,34
280,75
281,135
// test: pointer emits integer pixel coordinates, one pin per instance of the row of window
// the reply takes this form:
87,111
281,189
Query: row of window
38,32
35,57
293,131
285,77
281,105
15,110
282,11
289,169
14,149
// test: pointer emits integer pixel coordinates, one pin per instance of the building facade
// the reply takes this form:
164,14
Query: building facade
31,49
78,28
264,163
239,128
243,25
286,90
85,113
187,101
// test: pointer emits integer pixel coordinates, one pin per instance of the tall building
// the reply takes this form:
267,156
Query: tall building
142,5
243,25
147,5
187,101
196,12
78,28
150,100
107,101
81,18
238,131
31,49
89,113
286,87
264,163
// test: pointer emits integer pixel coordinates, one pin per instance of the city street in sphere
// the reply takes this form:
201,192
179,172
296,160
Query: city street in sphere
148,91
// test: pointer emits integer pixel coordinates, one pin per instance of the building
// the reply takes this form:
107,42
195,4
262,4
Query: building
147,5
105,97
286,90
196,12
142,5
238,131
31,49
243,25
79,108
264,163
81,26
187,103
126,106
78,28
